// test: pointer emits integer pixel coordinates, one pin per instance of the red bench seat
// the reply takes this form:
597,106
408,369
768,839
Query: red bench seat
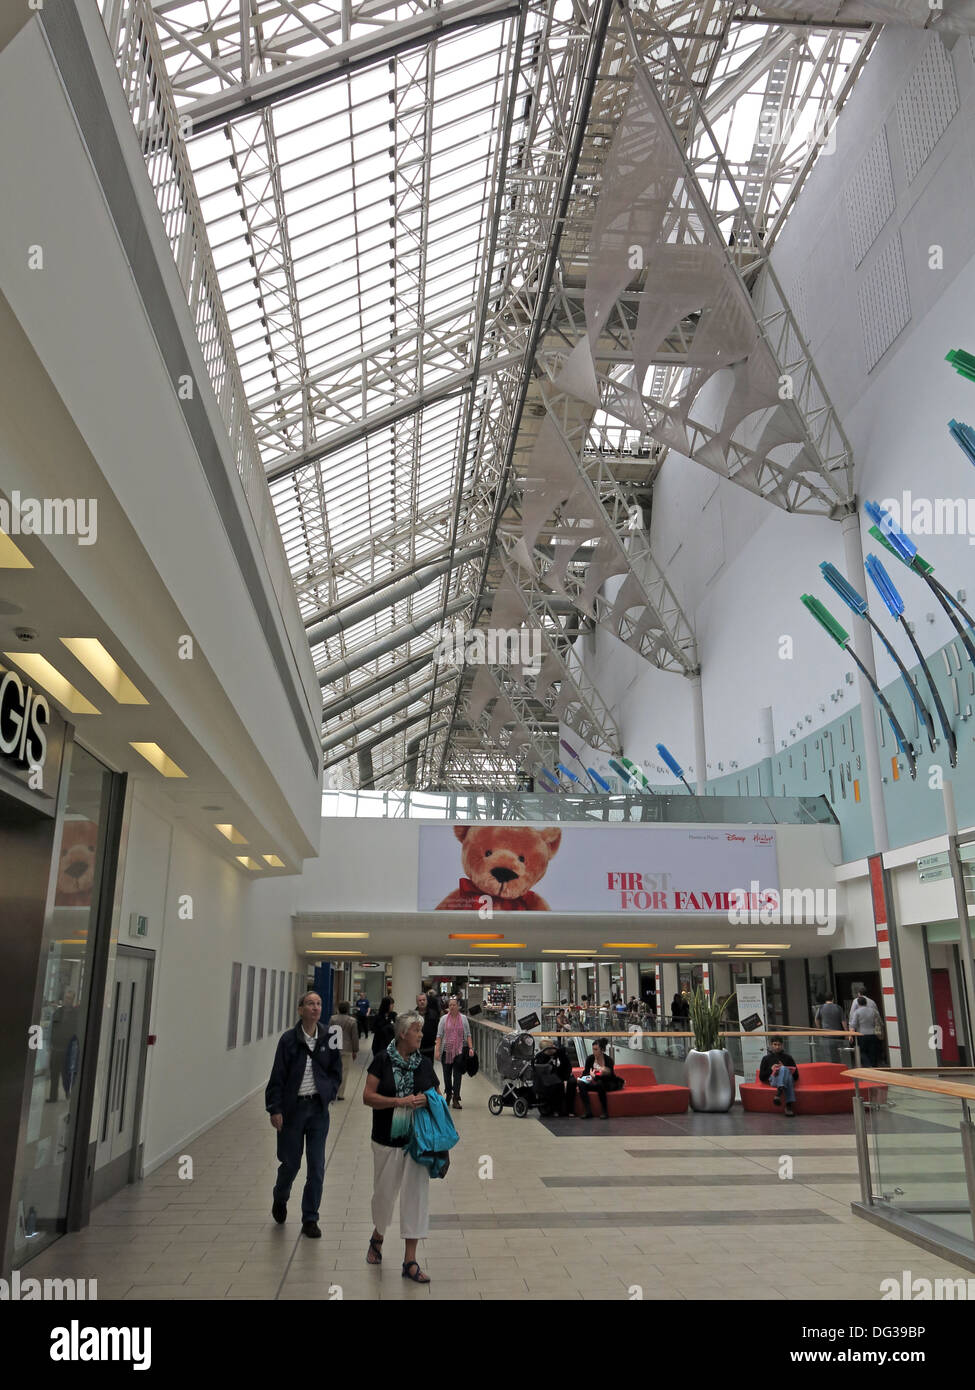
642,1094
822,1089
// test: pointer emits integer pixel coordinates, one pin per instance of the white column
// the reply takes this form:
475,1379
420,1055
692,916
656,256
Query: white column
863,646
550,982
603,989
406,982
631,980
700,745
671,979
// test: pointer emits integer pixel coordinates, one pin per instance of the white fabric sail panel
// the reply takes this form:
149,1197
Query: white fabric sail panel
726,331
681,280
638,188
550,673
756,387
606,561
578,374
483,690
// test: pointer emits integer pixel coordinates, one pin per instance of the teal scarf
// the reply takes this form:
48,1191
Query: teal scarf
404,1073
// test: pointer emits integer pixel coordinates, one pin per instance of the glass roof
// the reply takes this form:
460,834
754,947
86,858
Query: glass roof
349,162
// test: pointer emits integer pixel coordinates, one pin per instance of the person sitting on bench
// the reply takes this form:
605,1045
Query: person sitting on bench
778,1069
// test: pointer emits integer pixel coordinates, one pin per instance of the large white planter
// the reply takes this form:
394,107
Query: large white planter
710,1079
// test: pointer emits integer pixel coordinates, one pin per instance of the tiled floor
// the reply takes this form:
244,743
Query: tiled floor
631,1208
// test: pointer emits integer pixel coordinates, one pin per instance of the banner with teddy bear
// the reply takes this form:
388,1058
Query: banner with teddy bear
597,868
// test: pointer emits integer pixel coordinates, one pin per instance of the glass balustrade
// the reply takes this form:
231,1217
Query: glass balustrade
540,806
916,1153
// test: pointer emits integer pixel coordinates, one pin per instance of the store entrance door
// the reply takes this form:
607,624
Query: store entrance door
116,1160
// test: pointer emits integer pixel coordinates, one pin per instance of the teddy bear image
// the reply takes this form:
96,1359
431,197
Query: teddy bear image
502,862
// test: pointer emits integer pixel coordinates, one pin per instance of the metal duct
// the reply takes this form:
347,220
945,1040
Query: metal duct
357,610
366,721
363,655
374,742
401,672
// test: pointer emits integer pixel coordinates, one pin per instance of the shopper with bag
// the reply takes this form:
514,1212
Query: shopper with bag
453,1036
394,1091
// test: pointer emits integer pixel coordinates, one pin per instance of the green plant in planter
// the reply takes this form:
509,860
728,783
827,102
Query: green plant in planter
705,1019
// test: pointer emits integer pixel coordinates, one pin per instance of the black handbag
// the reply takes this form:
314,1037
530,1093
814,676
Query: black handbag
469,1063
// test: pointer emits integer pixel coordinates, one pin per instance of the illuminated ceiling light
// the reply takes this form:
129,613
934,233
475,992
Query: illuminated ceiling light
764,946
49,678
161,761
631,945
106,670
702,946
741,955
344,935
12,558
317,951
508,946
274,861
247,861
568,951
474,936
232,834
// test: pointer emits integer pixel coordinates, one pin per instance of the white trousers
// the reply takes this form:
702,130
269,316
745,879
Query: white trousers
348,1059
396,1174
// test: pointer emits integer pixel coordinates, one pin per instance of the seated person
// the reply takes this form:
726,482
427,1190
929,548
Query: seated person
552,1071
599,1076
778,1069
561,1022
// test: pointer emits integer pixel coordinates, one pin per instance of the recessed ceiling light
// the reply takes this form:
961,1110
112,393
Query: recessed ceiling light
763,946
160,761
631,945
319,951
702,946
273,860
11,557
232,834
343,935
49,678
106,670
247,861
508,946
474,936
568,951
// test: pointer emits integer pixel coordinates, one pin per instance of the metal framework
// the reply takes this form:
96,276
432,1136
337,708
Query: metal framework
386,217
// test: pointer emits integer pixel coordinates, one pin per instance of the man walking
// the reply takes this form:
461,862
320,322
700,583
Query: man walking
342,1026
306,1074
430,1021
362,1014
830,1017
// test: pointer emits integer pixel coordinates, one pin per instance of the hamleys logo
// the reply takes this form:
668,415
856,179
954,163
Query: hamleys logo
760,839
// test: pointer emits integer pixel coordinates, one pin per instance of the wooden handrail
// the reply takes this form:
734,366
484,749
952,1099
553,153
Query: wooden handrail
881,1076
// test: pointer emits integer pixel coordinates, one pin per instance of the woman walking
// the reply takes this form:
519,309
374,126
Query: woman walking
453,1035
396,1082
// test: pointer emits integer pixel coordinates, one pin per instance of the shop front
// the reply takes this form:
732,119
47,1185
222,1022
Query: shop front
60,817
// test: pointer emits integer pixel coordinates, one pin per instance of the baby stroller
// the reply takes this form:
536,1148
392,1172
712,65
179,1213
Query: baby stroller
515,1060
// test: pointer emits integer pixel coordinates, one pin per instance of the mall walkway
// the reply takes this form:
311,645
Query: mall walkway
593,1209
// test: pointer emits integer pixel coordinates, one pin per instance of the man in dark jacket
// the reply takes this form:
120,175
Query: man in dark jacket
779,1069
305,1077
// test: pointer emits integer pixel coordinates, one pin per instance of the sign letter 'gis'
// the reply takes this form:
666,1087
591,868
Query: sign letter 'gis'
23,717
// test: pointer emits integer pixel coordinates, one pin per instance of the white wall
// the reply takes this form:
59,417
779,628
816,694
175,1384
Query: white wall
191,1076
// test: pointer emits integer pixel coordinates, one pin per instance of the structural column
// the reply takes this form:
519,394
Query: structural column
406,982
550,982
604,987
700,745
863,646
631,980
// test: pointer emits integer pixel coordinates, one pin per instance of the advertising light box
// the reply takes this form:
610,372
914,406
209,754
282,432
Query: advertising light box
608,869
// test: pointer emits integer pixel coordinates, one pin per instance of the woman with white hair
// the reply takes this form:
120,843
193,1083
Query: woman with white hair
396,1083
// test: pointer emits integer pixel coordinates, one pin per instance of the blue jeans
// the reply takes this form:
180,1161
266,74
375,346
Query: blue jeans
305,1128
783,1080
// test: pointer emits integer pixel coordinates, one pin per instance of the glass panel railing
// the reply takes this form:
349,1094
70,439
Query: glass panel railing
541,806
916,1152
